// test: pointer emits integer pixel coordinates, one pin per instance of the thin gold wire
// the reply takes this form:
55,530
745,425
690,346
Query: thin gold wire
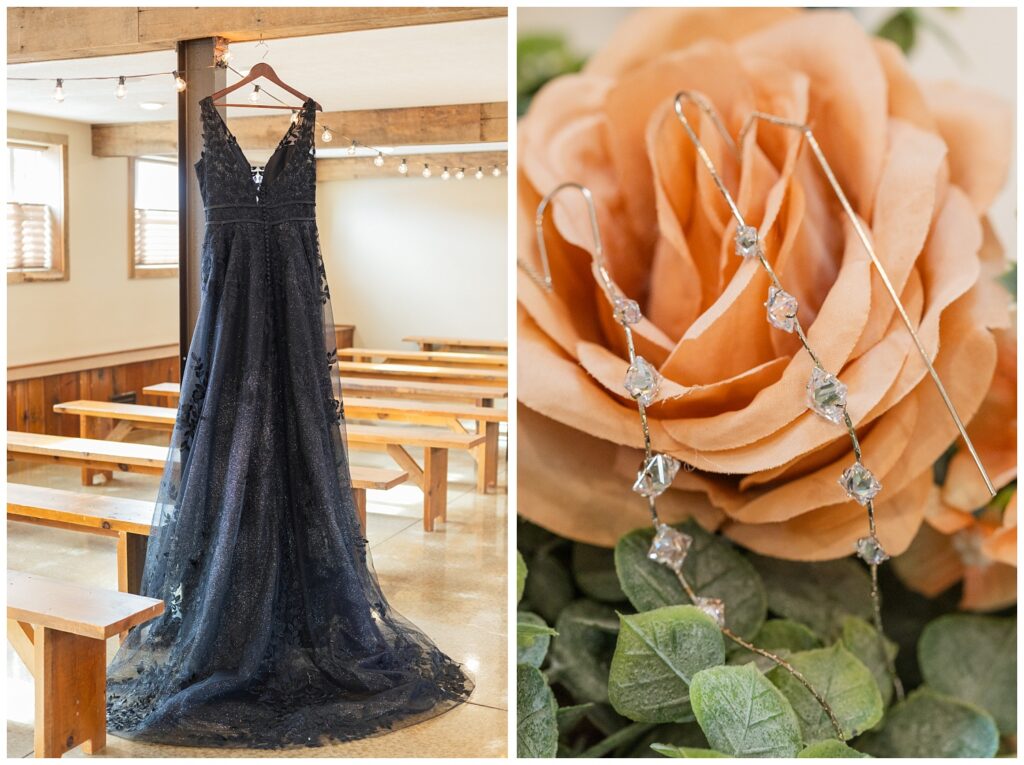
545,282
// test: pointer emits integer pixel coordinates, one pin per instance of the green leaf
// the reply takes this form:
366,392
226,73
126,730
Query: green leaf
829,749
532,639
670,750
928,724
900,28
536,731
520,576
594,571
846,684
861,639
582,652
568,717
974,659
549,587
816,594
1009,279
713,568
743,714
657,654
785,635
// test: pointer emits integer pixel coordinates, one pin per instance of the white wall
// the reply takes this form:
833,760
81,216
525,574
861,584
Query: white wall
99,309
420,256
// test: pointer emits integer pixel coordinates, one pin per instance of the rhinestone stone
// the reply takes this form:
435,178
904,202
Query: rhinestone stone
669,547
782,309
656,475
626,311
871,551
713,607
746,241
859,483
643,381
826,395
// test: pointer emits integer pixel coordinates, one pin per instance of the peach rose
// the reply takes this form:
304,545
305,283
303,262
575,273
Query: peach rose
920,164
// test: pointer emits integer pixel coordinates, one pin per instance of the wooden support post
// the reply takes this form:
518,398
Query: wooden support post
360,498
70,680
21,636
131,560
487,470
195,62
435,486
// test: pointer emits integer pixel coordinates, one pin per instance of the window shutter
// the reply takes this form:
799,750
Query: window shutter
156,238
31,236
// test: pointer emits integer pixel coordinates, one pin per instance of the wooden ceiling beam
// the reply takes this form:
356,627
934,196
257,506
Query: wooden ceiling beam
457,123
60,33
357,168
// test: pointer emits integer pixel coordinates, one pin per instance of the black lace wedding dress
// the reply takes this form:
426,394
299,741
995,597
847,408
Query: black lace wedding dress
276,632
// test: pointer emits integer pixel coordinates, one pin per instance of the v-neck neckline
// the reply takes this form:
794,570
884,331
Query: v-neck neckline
258,188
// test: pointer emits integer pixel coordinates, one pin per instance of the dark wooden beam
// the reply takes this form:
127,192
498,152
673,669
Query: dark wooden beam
58,33
455,123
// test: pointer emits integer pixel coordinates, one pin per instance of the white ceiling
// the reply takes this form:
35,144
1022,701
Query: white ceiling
456,63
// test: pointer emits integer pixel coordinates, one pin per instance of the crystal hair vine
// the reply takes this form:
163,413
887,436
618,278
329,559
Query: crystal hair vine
826,394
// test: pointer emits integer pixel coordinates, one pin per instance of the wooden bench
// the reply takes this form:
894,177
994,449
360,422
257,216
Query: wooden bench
448,415
431,358
432,478
354,387
127,519
497,377
60,631
150,459
435,343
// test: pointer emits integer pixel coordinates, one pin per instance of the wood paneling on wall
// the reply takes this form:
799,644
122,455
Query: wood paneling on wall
30,402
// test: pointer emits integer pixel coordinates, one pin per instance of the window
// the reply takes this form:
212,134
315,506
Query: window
154,221
36,206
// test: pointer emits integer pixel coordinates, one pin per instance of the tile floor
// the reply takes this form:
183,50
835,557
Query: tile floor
451,583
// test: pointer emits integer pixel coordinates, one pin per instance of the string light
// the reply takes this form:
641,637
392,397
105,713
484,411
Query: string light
179,82
378,161
460,174
327,136
58,92
445,175
479,174
403,168
496,172
121,91
352,149
426,171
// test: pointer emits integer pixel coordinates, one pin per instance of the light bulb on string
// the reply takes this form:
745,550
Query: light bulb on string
179,82
496,172
378,161
255,95
445,175
327,136
479,174
460,174
122,89
58,92
225,57
426,171
403,168
352,149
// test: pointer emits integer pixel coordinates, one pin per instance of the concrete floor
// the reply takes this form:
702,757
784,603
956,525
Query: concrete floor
450,583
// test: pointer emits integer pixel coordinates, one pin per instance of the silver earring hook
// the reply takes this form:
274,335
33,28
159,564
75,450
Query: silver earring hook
543,278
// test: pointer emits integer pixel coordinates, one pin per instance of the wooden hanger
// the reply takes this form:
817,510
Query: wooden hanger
263,69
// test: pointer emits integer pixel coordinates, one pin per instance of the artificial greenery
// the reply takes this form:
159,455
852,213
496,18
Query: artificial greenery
614,661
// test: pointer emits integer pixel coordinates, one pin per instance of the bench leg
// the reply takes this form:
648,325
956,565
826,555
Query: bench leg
487,463
70,689
86,429
131,560
360,497
435,486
